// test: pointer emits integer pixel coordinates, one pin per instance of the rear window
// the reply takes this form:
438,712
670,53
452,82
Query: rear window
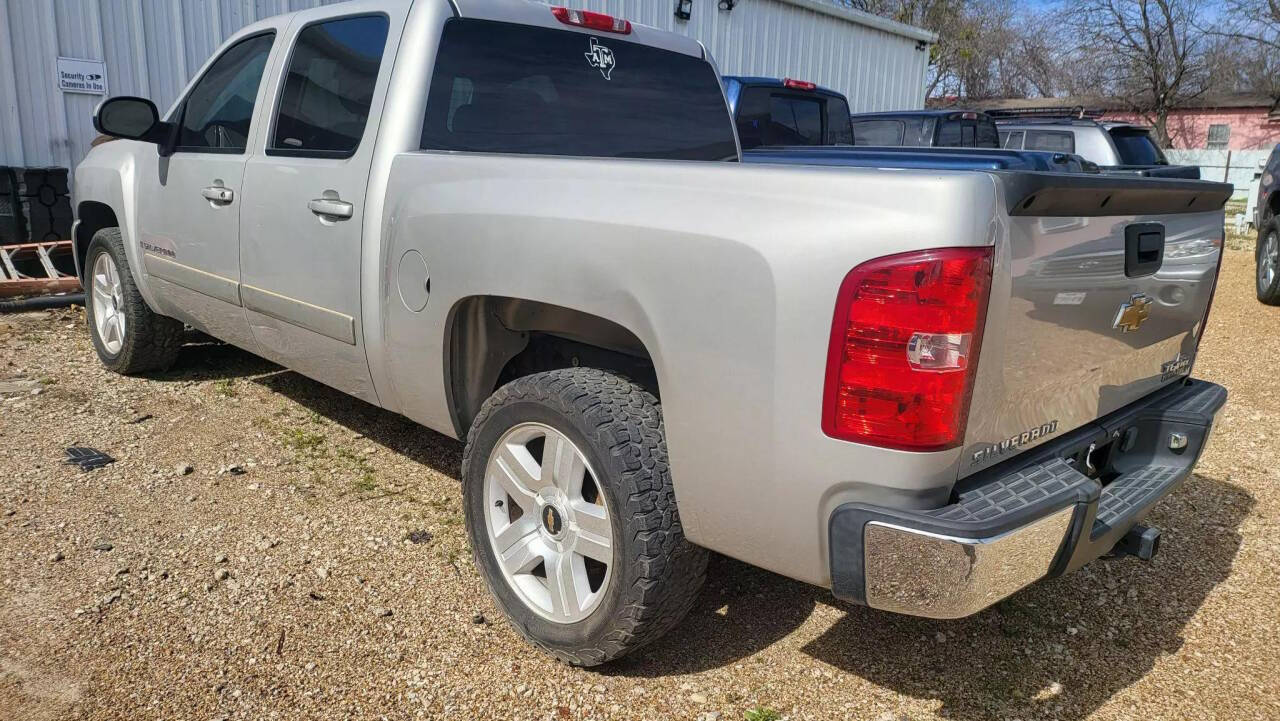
770,116
1050,140
1136,147
988,135
878,132
505,88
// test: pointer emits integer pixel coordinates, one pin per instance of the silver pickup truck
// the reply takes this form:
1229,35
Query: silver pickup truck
527,227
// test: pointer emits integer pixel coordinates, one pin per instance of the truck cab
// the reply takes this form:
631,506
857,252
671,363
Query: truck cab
772,112
926,129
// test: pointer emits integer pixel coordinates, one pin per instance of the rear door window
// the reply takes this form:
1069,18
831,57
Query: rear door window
329,87
506,88
1136,147
1055,141
1011,140
878,132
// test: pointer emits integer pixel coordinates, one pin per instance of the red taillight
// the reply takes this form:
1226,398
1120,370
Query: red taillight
592,20
798,84
904,348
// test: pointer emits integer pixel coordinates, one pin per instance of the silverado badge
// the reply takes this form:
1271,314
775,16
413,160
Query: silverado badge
601,58
1132,314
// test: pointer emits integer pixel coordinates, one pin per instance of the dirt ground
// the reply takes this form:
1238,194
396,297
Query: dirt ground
267,548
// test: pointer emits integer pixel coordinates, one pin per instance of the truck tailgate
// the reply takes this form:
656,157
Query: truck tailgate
1099,295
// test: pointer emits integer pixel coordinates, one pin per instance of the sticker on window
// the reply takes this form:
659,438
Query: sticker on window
601,58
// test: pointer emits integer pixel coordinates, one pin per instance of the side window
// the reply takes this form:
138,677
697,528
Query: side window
216,114
1051,140
1011,139
329,87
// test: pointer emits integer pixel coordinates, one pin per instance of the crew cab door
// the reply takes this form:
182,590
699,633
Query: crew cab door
189,203
300,226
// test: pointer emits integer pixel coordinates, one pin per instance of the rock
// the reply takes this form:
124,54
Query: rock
57,556
102,546
191,499
940,637
311,666
322,573
111,598
381,611
220,558
478,619
184,469
698,697
222,574
122,571
709,716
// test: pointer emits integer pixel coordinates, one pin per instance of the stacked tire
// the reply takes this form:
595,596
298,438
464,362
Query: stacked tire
35,205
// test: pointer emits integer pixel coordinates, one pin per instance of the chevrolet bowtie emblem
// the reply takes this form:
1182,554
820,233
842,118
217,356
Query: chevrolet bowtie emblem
1132,314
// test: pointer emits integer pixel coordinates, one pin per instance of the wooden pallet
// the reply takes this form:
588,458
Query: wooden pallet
37,269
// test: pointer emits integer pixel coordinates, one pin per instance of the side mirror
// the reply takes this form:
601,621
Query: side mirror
132,119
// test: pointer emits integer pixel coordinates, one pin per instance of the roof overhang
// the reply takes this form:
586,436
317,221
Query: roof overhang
858,17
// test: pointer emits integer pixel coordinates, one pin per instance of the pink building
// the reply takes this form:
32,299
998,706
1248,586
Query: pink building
1220,122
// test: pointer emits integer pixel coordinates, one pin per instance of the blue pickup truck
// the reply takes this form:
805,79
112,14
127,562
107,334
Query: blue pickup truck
795,122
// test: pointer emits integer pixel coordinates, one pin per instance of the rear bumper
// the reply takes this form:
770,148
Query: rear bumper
1035,516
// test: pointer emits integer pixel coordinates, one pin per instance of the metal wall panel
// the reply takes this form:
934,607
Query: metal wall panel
152,46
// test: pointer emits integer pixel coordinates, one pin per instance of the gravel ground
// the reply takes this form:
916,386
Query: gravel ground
266,548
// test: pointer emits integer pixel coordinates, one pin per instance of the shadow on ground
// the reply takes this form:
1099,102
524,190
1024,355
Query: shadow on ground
1017,659
1020,658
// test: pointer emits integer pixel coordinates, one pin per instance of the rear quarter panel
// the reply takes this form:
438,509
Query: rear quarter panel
727,273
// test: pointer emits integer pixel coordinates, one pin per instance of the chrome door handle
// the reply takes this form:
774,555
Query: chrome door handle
331,208
218,194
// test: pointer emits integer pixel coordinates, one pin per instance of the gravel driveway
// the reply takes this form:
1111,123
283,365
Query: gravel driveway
266,548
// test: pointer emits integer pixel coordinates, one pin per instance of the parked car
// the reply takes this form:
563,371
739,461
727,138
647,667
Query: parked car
767,112
1115,147
785,111
536,235
927,128
1267,221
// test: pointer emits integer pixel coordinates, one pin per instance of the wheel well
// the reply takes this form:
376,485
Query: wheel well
1273,203
493,340
93,216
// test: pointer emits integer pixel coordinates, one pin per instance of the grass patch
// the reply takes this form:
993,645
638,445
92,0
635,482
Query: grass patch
762,713
305,442
225,388
366,483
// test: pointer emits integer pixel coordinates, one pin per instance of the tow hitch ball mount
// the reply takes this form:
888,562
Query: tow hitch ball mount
1141,541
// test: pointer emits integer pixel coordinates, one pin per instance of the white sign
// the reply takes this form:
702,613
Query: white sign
82,76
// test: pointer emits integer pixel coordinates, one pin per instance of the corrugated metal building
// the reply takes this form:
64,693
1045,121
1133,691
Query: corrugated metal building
151,47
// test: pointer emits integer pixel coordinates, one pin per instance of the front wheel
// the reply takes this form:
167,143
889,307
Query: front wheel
128,336
572,516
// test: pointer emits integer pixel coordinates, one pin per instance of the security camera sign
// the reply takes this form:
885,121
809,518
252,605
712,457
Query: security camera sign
82,76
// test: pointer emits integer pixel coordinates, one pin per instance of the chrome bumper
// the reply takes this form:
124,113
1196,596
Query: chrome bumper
1026,519
936,576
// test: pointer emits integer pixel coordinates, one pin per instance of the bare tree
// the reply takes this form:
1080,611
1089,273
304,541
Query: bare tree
1247,56
1149,54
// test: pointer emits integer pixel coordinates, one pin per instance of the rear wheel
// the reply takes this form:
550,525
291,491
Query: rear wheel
127,335
572,516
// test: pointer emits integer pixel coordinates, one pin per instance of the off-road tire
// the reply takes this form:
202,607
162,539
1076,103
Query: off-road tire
657,572
1269,295
151,341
